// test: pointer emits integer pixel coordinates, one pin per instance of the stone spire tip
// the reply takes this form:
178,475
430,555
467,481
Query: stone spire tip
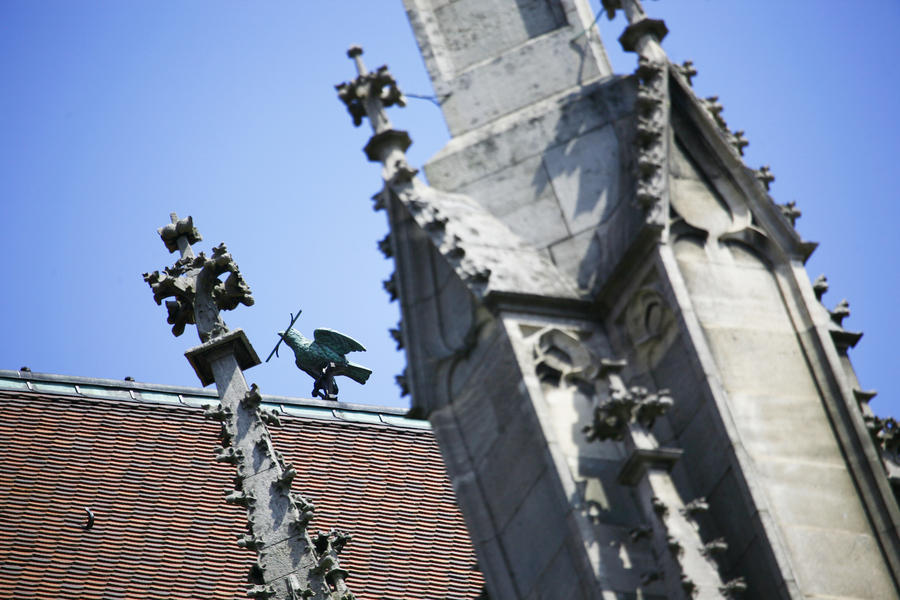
355,52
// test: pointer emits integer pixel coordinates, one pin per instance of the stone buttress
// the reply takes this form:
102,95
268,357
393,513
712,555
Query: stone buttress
608,323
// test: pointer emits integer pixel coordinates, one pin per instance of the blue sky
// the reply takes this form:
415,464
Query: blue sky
114,114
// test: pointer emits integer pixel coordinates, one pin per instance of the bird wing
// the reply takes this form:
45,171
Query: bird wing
337,341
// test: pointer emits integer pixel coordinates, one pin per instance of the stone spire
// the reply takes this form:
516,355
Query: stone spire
637,192
290,565
489,260
368,96
485,254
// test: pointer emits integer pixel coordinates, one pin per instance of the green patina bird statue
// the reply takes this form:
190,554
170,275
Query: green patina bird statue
322,358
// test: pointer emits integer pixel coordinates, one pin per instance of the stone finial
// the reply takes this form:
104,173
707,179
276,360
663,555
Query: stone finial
180,234
370,93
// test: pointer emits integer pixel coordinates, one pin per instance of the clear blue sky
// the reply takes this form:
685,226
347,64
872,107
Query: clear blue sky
116,113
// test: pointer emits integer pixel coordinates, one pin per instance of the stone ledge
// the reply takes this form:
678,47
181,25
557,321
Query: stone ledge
637,464
235,342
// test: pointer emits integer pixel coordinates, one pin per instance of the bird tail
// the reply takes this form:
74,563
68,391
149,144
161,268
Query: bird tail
357,373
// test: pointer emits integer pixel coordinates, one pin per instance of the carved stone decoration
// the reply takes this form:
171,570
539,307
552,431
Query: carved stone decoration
840,312
402,383
403,172
171,233
820,286
376,85
764,176
634,405
684,562
715,547
734,587
715,109
378,200
390,286
652,114
739,141
790,212
687,70
842,338
384,245
650,325
560,358
397,335
886,435
328,546
199,294
696,506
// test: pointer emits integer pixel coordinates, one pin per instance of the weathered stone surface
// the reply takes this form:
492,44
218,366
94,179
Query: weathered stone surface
522,197
584,174
836,563
636,191
492,57
474,29
540,517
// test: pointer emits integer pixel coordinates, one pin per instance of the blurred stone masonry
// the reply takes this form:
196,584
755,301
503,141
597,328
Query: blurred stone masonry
578,214
290,564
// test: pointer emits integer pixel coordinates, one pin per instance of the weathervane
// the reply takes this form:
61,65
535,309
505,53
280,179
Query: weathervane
323,357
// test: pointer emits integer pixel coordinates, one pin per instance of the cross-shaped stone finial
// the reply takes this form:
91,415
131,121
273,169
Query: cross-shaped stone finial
193,283
370,93
179,235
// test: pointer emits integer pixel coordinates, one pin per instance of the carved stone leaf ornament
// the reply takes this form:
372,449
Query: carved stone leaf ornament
181,282
561,358
634,405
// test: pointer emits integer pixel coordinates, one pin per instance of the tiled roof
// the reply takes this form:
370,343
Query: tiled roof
140,457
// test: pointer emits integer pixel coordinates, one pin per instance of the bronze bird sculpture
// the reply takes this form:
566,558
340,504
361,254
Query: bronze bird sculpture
323,358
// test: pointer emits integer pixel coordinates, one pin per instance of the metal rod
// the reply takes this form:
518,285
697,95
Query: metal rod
281,337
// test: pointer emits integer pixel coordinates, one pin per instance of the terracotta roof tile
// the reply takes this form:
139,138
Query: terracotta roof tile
162,528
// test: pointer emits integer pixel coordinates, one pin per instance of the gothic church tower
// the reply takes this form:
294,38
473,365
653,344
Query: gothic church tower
609,325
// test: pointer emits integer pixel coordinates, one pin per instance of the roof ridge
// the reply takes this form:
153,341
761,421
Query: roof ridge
171,395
